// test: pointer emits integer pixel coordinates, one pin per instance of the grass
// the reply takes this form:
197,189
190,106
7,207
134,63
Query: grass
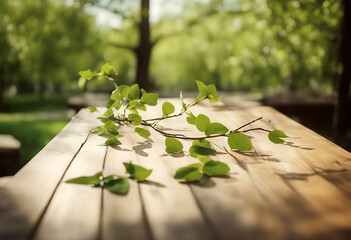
32,134
29,119
34,103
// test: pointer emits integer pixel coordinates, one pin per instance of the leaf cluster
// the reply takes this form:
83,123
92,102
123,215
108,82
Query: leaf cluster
133,99
113,183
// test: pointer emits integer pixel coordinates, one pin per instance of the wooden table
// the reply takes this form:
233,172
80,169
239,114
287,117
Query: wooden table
297,190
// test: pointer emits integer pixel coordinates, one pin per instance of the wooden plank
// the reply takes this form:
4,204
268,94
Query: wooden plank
122,216
311,160
25,197
171,210
274,209
74,212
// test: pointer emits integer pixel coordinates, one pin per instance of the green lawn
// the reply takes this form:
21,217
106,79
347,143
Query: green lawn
33,135
34,103
33,120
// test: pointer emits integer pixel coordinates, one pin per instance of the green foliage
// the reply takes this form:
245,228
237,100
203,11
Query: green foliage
92,109
276,136
89,180
216,128
239,141
189,173
149,98
134,92
108,71
173,145
191,118
167,108
200,146
118,186
209,92
202,122
87,74
203,159
215,168
112,141
142,132
137,172
135,119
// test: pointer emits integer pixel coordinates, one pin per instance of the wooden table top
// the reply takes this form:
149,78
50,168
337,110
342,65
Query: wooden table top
297,190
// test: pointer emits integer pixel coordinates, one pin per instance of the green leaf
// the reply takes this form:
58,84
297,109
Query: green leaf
87,74
215,168
110,103
109,112
189,173
173,145
276,136
202,122
134,92
209,92
108,70
99,130
135,118
113,141
132,103
182,101
81,83
216,128
108,178
142,132
200,157
116,95
137,172
202,143
239,141
140,106
149,98
201,150
202,90
167,108
212,93
92,109
95,179
111,128
191,118
124,90
119,186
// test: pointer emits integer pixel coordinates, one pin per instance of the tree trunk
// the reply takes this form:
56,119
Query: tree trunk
342,114
2,90
143,51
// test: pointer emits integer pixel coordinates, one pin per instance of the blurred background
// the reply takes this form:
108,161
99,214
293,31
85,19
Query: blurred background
292,55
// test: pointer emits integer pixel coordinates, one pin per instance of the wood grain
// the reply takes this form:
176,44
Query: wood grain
24,198
74,211
297,190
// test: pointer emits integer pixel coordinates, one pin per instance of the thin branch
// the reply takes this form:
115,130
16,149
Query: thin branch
182,136
255,129
172,116
246,124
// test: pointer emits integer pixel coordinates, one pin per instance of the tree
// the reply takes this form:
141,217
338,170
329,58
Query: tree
342,111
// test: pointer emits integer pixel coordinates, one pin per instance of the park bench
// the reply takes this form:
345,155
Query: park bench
297,190
9,155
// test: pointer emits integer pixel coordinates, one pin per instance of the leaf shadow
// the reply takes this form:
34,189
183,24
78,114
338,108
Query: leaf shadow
264,157
175,155
204,182
292,144
121,149
305,176
153,183
139,149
